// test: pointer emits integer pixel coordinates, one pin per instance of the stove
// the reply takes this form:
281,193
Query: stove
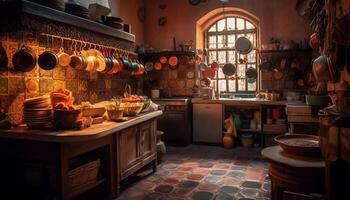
176,121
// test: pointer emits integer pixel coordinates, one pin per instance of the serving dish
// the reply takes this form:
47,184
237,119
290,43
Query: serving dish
299,144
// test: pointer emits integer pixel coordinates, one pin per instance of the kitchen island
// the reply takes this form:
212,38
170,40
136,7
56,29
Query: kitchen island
74,163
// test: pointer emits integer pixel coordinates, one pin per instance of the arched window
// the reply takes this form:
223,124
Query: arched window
220,40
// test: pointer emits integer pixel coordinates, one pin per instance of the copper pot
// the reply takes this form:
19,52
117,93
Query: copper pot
24,60
47,60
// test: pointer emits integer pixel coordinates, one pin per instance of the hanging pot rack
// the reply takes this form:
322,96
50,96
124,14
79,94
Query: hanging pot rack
106,48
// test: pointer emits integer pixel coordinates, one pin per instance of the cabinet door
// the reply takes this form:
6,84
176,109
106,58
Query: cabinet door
147,139
128,149
207,123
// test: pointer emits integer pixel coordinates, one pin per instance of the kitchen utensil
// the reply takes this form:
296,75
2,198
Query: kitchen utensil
243,45
93,112
157,66
251,80
47,60
163,60
173,61
299,144
320,69
251,72
209,73
202,66
3,58
74,8
149,66
276,113
205,82
66,119
266,64
63,58
277,75
194,2
229,69
24,60
215,65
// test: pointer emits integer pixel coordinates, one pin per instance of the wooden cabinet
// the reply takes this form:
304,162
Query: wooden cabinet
135,148
128,141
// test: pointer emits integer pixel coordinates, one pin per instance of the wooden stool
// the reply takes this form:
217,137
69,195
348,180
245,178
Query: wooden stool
293,173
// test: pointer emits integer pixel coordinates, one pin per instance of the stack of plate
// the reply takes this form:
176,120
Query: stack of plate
115,22
76,9
37,112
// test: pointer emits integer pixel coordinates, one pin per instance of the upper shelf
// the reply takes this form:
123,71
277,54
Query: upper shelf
20,7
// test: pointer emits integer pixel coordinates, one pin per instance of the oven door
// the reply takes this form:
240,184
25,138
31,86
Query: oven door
176,126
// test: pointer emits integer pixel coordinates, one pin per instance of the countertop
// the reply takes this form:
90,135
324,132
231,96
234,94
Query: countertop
94,132
238,101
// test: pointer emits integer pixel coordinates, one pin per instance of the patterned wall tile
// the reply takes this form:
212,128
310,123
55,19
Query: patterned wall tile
59,84
172,74
71,73
72,85
82,74
16,85
3,85
59,73
4,102
45,85
32,85
83,85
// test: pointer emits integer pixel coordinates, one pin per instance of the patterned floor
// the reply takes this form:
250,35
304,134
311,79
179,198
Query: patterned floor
205,173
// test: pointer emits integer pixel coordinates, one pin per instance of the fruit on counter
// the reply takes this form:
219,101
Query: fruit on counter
63,106
133,98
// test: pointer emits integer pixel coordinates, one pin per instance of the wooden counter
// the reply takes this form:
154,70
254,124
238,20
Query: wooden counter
294,174
60,158
248,102
94,132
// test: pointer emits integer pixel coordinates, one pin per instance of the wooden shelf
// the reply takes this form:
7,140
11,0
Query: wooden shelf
86,188
22,8
250,130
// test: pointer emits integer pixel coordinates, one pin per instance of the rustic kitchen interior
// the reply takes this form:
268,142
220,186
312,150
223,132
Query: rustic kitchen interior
175,100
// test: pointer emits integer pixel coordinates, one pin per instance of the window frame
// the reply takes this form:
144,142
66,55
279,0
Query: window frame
227,49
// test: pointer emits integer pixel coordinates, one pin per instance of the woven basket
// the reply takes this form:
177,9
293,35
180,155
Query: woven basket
83,175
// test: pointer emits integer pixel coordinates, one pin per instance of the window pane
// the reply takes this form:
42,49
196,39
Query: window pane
252,56
221,25
252,86
241,70
241,84
222,57
213,28
249,25
221,41
231,23
221,73
231,57
232,85
251,37
212,56
222,85
240,24
231,41
212,42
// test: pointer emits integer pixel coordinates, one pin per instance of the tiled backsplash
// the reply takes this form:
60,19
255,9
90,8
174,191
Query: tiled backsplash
15,87
174,82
